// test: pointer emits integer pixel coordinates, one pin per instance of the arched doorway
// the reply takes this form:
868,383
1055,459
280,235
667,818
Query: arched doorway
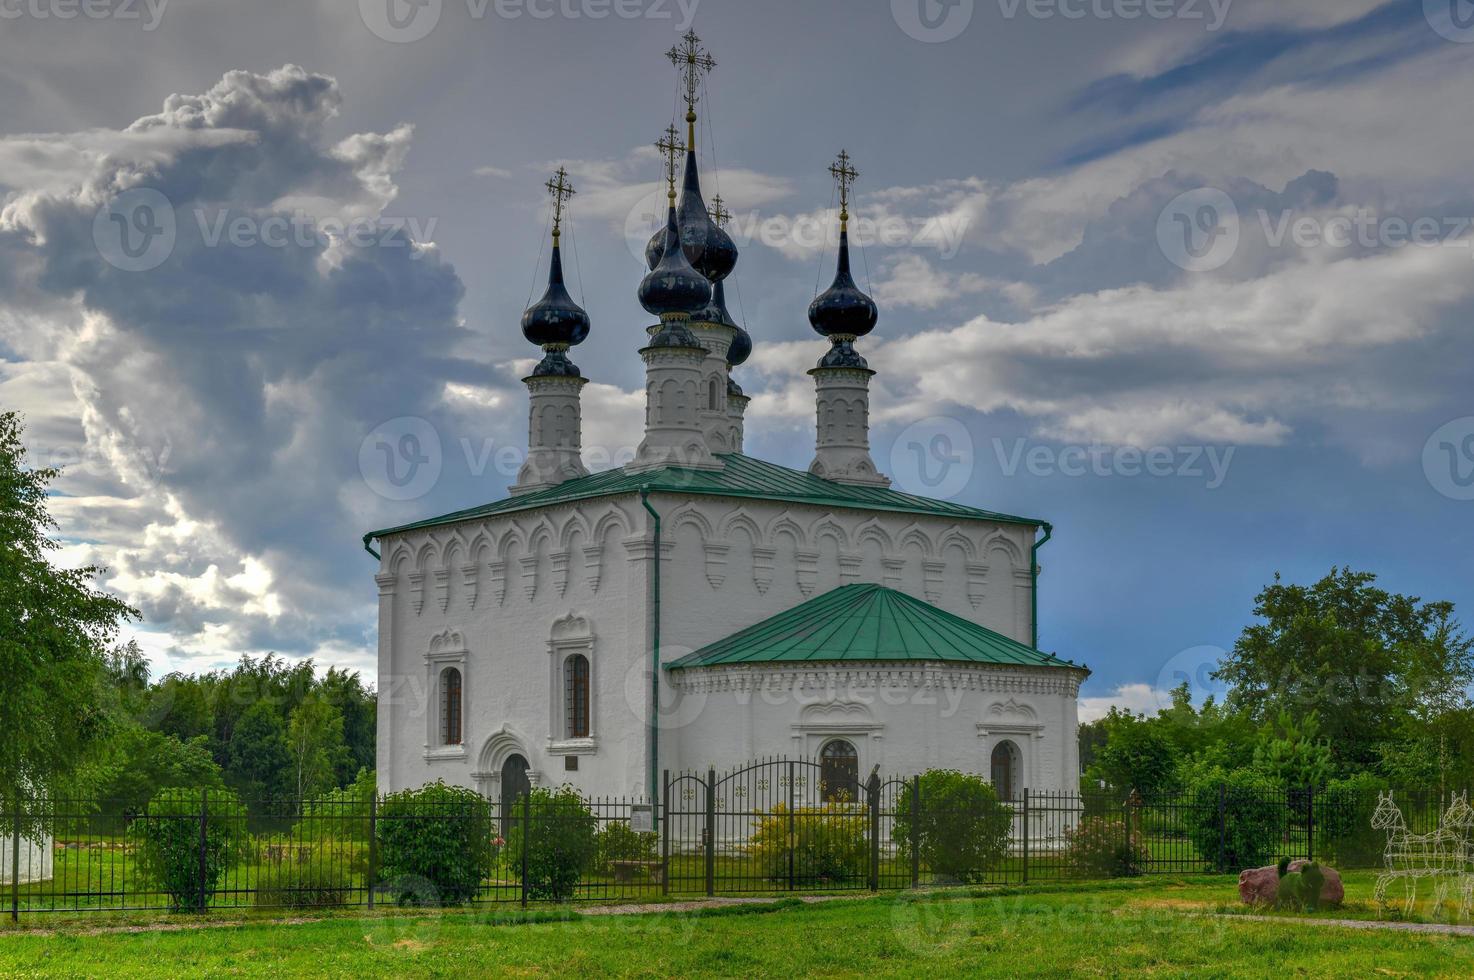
839,772
1006,766
515,785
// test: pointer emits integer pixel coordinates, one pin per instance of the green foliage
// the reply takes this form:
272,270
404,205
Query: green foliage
826,842
306,881
260,761
183,832
1343,822
961,829
342,814
1364,659
133,765
1299,890
55,629
1098,847
315,744
434,844
616,842
1291,754
561,845
1137,755
1253,814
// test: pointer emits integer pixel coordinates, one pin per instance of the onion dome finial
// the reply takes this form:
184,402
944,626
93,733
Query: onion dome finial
555,322
673,290
842,312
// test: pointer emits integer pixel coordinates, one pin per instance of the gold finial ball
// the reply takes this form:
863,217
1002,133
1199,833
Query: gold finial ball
690,115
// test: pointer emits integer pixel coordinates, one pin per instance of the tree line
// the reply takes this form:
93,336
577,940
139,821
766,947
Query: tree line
1337,684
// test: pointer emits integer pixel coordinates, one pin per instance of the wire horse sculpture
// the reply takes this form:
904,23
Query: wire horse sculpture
1442,856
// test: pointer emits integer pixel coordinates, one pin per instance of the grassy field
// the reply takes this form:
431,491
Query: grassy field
1168,927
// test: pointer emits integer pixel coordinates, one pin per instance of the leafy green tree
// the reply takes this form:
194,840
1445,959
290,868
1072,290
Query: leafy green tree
260,761
1366,660
135,764
315,742
1292,753
186,842
55,630
1138,754
958,826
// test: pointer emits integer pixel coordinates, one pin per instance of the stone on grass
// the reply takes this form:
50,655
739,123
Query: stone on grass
1260,886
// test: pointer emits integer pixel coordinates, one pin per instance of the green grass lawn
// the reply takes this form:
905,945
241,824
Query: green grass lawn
1087,929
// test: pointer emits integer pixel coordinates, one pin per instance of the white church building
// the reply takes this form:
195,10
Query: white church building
700,607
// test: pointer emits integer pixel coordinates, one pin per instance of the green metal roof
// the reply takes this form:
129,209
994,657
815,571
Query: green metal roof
741,476
866,622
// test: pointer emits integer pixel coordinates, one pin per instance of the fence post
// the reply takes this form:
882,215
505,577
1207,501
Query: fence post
872,792
1222,827
711,831
915,831
792,844
204,844
1126,823
15,860
526,834
1026,835
665,833
373,843
1310,823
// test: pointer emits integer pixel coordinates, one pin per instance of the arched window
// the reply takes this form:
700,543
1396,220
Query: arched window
450,706
1006,770
576,696
711,395
839,772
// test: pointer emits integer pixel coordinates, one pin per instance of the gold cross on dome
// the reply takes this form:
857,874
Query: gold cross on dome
718,213
669,146
693,62
844,175
561,190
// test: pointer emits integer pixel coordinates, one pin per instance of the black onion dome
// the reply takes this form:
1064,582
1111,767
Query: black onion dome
655,248
708,248
842,309
556,318
673,286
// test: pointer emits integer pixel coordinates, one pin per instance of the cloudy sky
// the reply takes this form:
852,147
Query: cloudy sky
1192,279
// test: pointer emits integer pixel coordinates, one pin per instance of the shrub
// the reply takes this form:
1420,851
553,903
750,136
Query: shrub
561,842
1098,847
342,814
171,850
1252,821
616,842
1344,835
828,842
317,882
961,829
434,844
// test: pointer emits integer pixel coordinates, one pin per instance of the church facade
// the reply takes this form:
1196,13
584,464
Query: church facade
700,607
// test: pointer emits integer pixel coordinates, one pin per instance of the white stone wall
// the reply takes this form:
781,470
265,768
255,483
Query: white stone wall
35,860
503,600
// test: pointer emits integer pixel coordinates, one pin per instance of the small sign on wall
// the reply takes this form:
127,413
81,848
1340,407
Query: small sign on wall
642,818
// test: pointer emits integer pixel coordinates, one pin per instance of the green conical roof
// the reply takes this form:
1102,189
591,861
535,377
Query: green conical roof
870,623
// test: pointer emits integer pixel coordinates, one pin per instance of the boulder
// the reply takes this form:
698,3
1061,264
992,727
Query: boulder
1260,886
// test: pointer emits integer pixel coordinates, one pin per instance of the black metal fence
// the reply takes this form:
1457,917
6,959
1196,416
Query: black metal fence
770,827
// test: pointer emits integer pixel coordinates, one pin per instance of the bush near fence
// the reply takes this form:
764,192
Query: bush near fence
190,850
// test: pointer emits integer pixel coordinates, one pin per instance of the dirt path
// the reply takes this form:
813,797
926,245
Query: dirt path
1439,928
